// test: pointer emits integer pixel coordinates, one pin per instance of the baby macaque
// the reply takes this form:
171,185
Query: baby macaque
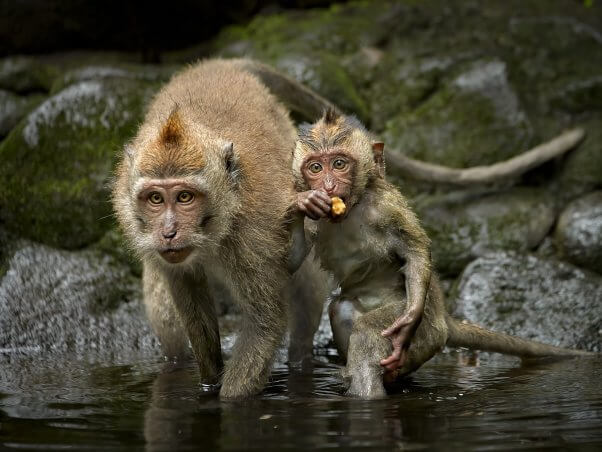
389,317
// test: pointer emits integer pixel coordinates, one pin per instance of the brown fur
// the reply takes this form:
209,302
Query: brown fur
248,191
364,252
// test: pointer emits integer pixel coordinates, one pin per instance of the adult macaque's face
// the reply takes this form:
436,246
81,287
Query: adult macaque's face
172,211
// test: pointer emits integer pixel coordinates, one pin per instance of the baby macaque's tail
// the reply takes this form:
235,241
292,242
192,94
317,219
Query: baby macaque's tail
477,338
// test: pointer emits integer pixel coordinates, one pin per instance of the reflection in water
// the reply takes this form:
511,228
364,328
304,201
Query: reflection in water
455,402
178,415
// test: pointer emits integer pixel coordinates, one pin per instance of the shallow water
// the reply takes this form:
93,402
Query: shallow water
455,402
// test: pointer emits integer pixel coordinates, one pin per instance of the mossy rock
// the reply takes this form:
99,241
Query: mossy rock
113,243
582,169
323,73
26,75
58,161
13,108
579,232
469,225
147,73
556,61
404,82
313,47
475,119
340,29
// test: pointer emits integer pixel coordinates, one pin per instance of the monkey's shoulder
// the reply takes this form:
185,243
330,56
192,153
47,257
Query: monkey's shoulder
391,213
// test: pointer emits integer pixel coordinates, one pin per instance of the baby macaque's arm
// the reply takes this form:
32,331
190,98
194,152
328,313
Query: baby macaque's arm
314,204
417,270
301,243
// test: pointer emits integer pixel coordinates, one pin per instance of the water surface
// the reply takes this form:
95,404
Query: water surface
455,402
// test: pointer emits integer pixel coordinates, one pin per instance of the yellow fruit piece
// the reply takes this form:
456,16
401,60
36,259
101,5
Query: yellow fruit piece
338,207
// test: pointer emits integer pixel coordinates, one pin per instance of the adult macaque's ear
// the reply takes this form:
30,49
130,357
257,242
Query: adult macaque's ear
378,150
231,162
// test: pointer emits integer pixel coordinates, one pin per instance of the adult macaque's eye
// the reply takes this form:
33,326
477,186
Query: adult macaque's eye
339,164
155,198
185,197
315,167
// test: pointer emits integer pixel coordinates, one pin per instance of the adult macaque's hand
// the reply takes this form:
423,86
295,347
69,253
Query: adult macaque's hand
314,203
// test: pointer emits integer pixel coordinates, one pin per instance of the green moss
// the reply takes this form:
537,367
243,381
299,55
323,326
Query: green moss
57,162
313,47
582,170
25,75
113,243
117,71
323,73
466,227
474,119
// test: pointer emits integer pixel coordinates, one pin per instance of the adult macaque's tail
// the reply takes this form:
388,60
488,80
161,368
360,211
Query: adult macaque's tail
477,338
310,105
298,98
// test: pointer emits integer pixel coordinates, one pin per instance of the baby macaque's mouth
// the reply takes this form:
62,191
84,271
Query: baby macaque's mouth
176,255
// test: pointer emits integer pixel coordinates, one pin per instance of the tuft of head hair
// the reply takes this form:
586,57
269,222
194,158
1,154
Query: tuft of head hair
175,151
172,132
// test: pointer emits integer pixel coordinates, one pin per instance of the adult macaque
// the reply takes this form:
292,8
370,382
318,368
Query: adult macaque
203,191
380,257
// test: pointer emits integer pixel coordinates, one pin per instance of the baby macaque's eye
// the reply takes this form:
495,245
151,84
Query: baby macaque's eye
315,167
339,164
185,197
155,198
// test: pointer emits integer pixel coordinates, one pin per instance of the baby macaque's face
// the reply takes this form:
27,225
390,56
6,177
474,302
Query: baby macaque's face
331,172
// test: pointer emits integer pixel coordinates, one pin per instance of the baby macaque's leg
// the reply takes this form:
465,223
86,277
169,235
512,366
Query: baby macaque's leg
343,312
367,347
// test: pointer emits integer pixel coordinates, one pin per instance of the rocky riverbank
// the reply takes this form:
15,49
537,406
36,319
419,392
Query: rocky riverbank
456,83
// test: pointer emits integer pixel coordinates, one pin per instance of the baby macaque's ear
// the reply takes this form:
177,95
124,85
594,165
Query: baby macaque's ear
378,149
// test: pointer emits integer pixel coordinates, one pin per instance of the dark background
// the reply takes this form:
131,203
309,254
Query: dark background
42,26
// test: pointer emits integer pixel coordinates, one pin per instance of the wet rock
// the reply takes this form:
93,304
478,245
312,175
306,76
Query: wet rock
58,161
539,299
464,226
148,73
25,75
579,232
474,119
77,302
13,108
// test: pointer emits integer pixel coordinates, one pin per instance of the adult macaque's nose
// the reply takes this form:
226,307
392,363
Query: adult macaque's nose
169,234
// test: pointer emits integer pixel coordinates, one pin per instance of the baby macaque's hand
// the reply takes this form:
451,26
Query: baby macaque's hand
401,333
314,203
